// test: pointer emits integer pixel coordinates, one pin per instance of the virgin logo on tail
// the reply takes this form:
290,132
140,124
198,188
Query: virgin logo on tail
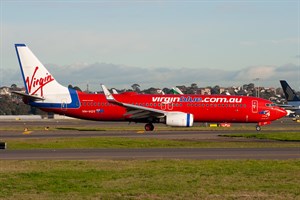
37,84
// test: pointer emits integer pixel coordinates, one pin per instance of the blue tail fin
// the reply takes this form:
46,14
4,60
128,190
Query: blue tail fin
290,94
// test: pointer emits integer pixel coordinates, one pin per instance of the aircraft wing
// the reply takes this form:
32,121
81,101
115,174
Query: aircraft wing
134,111
289,107
28,96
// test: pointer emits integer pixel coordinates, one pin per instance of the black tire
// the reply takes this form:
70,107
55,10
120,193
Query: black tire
149,127
152,127
258,128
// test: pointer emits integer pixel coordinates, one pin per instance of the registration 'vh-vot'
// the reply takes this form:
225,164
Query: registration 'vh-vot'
45,93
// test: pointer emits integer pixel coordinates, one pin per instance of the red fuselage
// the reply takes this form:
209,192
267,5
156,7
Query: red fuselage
205,108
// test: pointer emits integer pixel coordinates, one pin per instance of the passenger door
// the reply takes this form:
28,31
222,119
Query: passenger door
254,106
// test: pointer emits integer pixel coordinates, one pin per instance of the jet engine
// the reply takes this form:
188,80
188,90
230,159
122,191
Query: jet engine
179,119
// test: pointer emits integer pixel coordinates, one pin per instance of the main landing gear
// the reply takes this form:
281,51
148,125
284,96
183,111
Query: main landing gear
149,127
258,128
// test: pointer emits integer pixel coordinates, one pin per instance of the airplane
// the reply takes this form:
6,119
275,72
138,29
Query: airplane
176,90
45,93
292,99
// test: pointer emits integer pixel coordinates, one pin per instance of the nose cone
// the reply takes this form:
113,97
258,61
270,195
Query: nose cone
281,113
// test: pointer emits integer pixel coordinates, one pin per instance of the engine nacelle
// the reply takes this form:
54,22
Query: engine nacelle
179,119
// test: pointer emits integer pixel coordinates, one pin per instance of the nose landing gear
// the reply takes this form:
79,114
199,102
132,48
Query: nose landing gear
258,126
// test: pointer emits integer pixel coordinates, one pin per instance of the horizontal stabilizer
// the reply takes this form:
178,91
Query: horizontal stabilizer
28,96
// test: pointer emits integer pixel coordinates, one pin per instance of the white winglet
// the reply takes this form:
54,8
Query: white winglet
108,95
114,91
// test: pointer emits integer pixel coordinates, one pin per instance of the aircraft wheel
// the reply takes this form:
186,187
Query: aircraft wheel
149,127
258,128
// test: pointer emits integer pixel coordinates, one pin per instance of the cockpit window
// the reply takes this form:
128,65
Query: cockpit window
270,104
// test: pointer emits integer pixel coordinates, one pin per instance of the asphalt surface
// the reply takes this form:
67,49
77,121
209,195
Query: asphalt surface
136,153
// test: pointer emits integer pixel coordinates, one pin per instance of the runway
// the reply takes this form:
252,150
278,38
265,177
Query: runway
152,153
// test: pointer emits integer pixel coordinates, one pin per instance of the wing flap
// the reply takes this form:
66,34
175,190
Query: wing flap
141,115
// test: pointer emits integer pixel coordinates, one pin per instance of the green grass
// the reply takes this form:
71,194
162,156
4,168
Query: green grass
152,179
279,136
123,142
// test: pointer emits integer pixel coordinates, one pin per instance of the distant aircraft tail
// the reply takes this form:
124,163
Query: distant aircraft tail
176,90
289,93
39,83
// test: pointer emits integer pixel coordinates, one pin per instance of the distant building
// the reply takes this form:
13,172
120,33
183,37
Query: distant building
222,90
5,91
205,91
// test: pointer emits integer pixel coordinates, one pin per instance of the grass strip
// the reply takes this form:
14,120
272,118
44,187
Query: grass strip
279,136
123,142
151,179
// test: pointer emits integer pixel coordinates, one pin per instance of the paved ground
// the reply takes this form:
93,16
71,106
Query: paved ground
150,153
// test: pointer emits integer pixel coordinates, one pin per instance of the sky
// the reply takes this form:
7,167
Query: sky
154,43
